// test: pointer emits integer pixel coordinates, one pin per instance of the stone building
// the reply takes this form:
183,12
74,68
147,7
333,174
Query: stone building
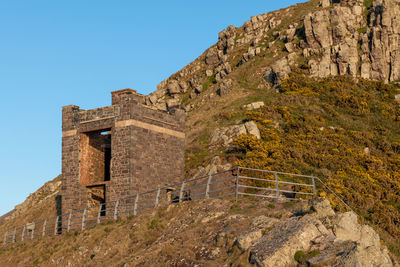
119,150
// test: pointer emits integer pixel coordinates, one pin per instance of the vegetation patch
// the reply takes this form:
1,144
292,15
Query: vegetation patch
302,257
344,131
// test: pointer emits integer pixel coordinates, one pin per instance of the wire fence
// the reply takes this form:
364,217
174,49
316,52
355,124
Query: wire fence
236,182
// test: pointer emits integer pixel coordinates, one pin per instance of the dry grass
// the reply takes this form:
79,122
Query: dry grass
168,236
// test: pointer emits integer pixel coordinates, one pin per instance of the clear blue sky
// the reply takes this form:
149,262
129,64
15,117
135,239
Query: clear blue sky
56,53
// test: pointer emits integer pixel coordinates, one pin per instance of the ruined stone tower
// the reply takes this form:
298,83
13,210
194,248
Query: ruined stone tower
119,150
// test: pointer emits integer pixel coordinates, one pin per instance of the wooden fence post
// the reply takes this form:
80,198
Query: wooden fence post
157,197
44,227
99,213
56,225
208,186
23,233
116,210
277,186
69,221
15,235
33,230
5,238
135,206
237,185
83,219
313,186
181,192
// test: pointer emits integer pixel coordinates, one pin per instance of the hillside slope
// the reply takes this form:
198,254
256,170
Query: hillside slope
308,64
39,205
300,76
212,233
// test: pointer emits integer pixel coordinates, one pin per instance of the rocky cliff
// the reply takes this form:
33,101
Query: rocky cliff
359,38
327,37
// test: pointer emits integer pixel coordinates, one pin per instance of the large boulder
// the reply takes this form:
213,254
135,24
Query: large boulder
278,71
278,247
226,135
346,227
246,240
212,56
252,129
173,87
225,87
254,105
322,208
364,257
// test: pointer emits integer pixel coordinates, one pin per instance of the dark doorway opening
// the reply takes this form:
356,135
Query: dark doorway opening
95,157
96,196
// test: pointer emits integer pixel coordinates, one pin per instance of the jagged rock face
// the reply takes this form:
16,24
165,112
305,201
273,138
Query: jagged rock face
344,42
340,37
48,190
384,43
339,239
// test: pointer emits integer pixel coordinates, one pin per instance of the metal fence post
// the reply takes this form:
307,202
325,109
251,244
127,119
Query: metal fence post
99,213
23,233
83,219
33,230
5,238
135,206
208,186
15,235
44,227
181,192
277,186
56,225
157,197
237,185
313,187
69,221
116,210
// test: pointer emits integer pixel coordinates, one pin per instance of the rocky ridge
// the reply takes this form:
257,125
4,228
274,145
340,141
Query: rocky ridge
41,204
341,37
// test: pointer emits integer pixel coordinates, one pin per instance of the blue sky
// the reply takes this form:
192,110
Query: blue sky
57,53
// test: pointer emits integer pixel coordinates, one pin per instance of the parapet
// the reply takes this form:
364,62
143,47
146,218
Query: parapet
119,95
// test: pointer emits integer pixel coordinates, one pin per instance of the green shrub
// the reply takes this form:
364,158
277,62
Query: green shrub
324,126
299,256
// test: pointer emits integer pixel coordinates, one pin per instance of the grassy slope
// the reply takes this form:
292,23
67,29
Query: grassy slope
320,127
212,111
178,235
38,206
323,127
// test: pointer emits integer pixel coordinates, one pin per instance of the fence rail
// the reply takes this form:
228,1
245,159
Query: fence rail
236,182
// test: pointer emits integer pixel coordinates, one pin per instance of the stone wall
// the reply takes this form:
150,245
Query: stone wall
147,149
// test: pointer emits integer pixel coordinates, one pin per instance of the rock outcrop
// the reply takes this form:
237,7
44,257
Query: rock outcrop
254,105
47,191
341,37
226,135
335,239
355,38
215,165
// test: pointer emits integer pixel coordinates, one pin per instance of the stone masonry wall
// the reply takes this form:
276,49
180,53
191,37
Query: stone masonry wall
147,149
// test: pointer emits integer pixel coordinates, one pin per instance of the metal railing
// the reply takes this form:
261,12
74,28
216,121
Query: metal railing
236,182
